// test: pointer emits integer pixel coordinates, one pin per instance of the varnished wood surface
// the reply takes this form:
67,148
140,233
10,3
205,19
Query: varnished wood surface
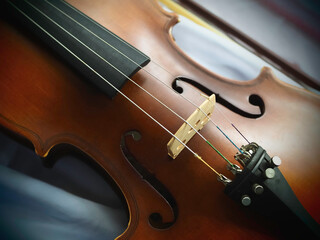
45,101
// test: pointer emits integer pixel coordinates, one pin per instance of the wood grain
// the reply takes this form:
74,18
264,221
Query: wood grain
47,102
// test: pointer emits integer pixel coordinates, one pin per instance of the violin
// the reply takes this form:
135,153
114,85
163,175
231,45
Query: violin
107,78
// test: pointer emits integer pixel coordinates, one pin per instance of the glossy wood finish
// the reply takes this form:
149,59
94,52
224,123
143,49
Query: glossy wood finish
48,103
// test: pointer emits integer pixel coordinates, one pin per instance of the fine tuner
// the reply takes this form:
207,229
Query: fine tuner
125,76
259,182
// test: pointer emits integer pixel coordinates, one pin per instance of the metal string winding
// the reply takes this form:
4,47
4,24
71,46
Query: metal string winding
129,78
160,66
220,176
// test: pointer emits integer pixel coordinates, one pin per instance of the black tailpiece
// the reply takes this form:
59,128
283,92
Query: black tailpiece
262,187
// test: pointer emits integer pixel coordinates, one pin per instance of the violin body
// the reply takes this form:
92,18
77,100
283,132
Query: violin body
47,102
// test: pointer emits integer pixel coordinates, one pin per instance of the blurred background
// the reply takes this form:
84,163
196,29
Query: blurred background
290,28
73,198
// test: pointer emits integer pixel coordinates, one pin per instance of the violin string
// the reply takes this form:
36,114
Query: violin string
143,89
145,70
116,89
233,127
157,64
223,131
164,69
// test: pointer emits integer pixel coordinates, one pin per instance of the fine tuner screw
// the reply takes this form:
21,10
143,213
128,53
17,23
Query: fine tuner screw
245,200
269,173
257,189
276,161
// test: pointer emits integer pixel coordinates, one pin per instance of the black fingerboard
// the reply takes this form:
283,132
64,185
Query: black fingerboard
99,55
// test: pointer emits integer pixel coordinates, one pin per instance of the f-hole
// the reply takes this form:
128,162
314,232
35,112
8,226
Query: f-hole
155,219
253,98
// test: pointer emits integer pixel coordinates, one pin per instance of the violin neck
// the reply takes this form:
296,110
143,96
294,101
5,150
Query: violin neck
99,55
